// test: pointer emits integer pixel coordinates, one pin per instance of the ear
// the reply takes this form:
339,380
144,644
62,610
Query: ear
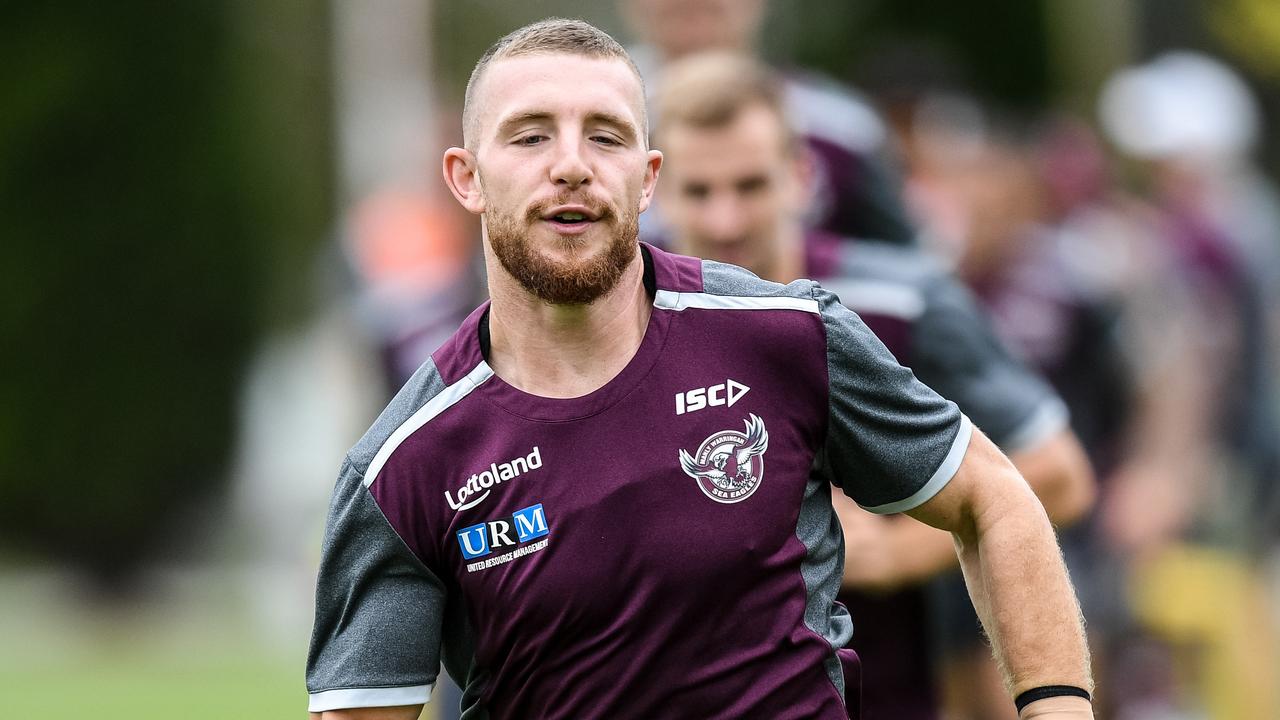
652,165
463,179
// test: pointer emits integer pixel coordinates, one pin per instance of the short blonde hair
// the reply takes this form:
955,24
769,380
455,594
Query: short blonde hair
552,35
710,90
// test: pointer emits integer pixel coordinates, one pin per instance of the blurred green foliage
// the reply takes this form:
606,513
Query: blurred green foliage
1251,29
997,49
144,210
464,30
999,46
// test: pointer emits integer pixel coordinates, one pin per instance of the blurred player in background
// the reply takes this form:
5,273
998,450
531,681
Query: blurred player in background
734,185
1146,312
1199,604
855,191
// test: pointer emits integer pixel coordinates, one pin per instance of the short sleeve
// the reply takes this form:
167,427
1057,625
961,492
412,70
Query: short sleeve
956,352
377,634
892,442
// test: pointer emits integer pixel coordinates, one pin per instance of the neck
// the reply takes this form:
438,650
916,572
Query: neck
564,351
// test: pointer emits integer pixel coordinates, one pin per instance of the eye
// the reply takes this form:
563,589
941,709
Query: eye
530,139
696,192
605,140
753,185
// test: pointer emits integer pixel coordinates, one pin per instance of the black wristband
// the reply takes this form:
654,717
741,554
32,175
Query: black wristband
1048,691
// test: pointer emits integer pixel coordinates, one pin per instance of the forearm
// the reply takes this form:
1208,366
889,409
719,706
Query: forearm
1021,590
1016,578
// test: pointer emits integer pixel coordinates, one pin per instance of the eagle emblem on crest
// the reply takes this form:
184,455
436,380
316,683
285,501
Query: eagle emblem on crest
729,465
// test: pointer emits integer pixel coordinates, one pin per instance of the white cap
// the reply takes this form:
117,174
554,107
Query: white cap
1181,103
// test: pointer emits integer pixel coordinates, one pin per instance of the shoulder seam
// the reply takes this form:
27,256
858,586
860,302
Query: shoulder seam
382,514
351,463
452,395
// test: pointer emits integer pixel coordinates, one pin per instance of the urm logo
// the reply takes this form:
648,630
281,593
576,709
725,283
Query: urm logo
725,394
484,538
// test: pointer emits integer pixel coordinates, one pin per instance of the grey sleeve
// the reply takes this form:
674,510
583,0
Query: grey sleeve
892,442
956,352
376,639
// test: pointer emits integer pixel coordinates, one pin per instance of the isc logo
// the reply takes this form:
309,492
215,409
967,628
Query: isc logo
726,393
523,525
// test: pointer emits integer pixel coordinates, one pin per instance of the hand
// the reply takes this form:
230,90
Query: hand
1145,509
869,553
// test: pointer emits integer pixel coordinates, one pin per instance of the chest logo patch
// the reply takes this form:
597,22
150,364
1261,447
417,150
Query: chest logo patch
510,537
729,465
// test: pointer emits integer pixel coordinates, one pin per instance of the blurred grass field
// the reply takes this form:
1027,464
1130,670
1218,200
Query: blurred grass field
132,684
194,648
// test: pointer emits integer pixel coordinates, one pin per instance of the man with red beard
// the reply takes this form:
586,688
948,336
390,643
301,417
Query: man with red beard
545,505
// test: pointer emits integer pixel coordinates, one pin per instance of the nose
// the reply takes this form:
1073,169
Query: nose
570,169
723,218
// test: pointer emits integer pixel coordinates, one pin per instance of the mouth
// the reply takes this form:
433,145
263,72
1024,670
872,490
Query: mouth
569,220
571,216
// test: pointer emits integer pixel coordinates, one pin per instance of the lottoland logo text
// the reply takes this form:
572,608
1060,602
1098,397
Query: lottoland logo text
478,486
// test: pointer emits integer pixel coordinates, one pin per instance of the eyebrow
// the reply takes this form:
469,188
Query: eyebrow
507,125
627,128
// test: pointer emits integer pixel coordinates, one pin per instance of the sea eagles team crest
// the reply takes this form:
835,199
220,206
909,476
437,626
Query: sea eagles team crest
729,465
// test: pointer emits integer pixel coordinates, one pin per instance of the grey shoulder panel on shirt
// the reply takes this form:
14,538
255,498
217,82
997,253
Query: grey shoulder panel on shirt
888,433
425,384
378,615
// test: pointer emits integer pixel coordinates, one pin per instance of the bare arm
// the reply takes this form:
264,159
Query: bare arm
1166,476
883,553
1016,577
402,712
